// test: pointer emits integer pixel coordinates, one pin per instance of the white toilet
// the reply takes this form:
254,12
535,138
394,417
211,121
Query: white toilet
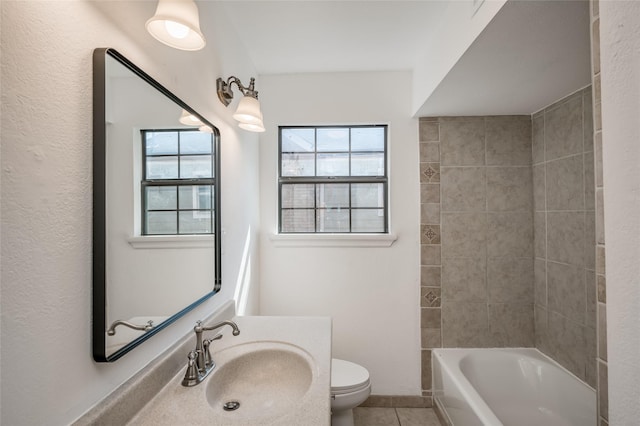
350,387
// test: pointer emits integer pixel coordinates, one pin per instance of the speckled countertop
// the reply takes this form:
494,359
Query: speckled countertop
310,336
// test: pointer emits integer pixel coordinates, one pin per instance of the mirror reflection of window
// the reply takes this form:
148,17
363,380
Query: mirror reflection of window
177,184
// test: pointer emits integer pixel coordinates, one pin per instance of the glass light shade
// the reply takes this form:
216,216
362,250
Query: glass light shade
248,111
258,128
177,24
189,119
205,129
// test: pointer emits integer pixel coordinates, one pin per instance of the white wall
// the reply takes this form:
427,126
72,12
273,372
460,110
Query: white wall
620,59
459,28
48,375
372,294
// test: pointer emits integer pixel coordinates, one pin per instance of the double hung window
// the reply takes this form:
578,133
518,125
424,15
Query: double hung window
178,182
333,179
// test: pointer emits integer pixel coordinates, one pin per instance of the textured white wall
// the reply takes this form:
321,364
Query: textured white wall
372,294
620,59
48,375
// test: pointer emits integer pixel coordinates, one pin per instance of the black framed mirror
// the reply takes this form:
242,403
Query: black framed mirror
156,204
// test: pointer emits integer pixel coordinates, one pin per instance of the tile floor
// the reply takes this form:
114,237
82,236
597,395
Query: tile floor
373,416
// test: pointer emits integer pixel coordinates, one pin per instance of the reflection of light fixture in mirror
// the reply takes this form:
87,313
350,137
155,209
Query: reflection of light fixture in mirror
205,129
177,24
188,119
248,112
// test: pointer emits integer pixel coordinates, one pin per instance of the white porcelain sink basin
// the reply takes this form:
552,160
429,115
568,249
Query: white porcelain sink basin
260,380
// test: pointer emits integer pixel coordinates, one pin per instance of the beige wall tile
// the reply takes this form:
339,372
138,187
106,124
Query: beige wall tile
430,192
465,325
563,128
595,46
511,234
431,337
565,237
430,213
537,140
602,288
600,231
430,255
430,234
426,368
430,297
377,401
508,141
463,189
566,291
430,276
411,402
590,240
462,143
565,183
511,325
602,331
429,152
464,279
587,119
598,158
567,343
430,317
539,187
510,280
541,320
591,368
429,131
591,319
464,234
429,172
509,189
589,182
540,282
603,390
540,234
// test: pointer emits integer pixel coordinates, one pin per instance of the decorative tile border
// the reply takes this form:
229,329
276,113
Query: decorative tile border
398,401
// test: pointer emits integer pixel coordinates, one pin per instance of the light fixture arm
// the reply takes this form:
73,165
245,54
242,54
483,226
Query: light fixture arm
224,89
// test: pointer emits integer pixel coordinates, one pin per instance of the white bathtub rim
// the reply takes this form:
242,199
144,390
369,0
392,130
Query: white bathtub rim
525,350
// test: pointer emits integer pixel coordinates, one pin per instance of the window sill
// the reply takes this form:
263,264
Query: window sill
172,241
333,240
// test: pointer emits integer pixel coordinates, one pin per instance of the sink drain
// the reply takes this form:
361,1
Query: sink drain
231,406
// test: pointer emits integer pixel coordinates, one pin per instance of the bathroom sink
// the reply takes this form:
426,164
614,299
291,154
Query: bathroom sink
259,380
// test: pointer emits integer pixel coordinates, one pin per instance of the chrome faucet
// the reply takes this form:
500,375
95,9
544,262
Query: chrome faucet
200,361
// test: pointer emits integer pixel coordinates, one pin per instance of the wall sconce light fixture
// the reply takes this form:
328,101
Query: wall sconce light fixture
177,24
189,119
248,112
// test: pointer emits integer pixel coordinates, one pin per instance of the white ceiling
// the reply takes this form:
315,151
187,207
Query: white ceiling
531,54
326,36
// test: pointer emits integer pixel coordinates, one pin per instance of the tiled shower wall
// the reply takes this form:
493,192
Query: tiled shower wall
477,234
564,223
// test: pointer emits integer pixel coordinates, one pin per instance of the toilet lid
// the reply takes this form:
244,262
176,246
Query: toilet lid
347,376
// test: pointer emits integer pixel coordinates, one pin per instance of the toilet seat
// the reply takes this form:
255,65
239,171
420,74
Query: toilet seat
347,377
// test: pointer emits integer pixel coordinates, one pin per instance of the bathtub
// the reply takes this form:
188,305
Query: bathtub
510,387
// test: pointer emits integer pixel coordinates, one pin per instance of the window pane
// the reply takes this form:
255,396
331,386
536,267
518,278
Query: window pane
195,222
299,195
333,164
333,139
333,220
158,143
333,195
195,197
195,166
367,220
367,195
161,223
367,139
161,197
162,167
302,220
195,143
298,165
370,164
298,140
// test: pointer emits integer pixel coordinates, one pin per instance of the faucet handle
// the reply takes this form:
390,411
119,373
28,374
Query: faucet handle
208,359
192,376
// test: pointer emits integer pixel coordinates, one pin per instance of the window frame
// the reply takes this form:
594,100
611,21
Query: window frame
319,180
178,183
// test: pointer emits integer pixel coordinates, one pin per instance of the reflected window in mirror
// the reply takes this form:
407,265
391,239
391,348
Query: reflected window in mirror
178,184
